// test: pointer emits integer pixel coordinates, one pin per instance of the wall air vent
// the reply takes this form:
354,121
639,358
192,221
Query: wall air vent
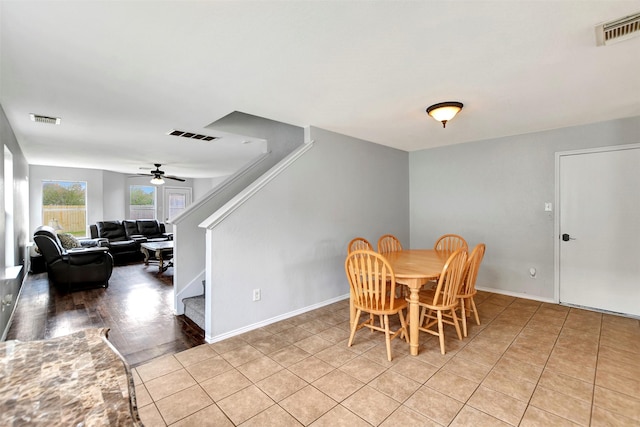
44,119
618,30
191,135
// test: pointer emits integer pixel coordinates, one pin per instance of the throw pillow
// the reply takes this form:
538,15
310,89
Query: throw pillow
68,241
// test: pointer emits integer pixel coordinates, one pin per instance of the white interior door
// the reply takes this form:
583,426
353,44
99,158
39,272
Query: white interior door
176,200
599,223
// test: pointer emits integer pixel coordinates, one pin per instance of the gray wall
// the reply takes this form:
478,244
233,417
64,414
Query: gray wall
290,239
494,192
20,218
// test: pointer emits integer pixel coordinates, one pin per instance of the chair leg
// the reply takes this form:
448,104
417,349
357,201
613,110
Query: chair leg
403,322
463,314
356,320
455,323
440,331
387,336
475,310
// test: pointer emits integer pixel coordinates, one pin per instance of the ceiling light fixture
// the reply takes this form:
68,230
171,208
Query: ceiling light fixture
157,180
444,111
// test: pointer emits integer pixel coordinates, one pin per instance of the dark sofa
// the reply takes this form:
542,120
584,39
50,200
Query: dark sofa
123,238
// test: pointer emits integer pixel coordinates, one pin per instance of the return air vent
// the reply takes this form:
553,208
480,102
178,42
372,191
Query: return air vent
44,119
618,30
191,135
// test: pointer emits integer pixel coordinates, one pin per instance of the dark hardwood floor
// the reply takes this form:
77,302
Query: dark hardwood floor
136,307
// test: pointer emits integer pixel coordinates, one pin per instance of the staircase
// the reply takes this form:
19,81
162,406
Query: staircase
194,309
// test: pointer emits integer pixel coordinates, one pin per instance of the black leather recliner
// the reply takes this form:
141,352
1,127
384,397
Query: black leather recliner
75,268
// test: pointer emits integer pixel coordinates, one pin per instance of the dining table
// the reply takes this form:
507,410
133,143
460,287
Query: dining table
414,268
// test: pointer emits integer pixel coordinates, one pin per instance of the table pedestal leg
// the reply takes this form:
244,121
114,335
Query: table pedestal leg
414,320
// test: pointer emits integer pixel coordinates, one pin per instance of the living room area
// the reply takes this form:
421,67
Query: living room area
138,304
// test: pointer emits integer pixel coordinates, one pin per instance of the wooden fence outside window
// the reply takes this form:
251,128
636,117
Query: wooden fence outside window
72,219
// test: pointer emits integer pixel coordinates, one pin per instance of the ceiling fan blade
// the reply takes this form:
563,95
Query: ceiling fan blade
175,178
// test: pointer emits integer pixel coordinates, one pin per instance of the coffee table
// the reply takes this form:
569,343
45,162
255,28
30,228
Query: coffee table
160,249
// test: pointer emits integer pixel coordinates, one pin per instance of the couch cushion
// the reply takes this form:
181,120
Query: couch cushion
112,230
149,227
131,228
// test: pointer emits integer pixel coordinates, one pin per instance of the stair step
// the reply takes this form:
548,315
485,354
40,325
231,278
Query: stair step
194,309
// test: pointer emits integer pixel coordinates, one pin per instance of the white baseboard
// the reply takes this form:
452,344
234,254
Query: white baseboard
516,294
211,339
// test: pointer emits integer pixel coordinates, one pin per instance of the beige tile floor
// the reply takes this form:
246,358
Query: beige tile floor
528,364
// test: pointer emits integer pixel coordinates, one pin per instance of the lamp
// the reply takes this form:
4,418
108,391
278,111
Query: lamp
157,180
53,223
444,111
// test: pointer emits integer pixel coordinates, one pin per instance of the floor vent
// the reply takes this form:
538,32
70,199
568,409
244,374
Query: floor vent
44,119
618,30
191,135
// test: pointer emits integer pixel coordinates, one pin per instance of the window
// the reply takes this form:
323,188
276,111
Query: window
64,206
142,202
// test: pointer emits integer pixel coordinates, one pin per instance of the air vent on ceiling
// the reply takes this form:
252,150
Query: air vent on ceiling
191,135
44,119
618,30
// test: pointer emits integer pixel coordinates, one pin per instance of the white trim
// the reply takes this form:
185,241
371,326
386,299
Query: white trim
253,188
12,273
516,294
221,187
556,217
600,310
209,339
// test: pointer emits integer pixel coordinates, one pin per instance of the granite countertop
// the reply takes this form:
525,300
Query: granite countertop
78,379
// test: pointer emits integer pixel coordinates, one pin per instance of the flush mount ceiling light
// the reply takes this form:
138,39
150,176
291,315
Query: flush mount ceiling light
444,111
44,119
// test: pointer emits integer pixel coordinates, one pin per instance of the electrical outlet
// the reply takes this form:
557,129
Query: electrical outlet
256,294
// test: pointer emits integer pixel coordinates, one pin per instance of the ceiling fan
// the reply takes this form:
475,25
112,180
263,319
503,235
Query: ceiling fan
158,175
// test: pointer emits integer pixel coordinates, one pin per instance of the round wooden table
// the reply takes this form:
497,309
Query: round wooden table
413,268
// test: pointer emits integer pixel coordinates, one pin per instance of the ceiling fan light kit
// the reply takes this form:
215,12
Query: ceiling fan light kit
157,180
444,111
158,176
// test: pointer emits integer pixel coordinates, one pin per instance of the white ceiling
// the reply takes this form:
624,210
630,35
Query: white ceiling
121,74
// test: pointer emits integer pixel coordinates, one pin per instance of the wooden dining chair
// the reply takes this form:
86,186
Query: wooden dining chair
372,283
468,288
439,305
450,242
389,243
359,243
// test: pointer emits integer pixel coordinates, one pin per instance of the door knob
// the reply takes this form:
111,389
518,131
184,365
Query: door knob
566,237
